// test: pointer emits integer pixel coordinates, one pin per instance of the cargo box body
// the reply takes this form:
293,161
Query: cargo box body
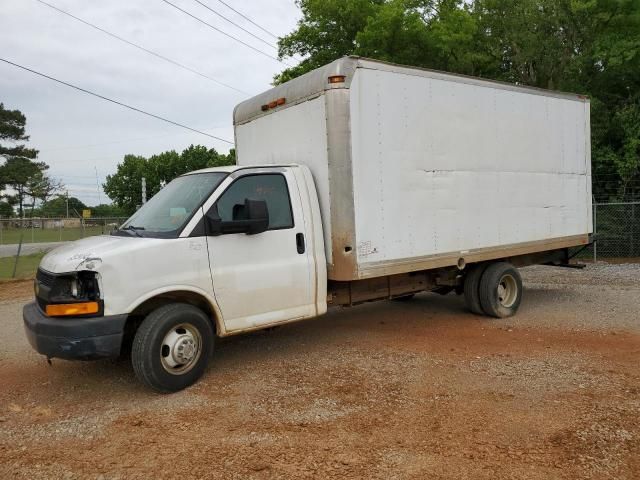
417,169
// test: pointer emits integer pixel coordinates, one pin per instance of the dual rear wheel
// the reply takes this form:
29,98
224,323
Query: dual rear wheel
493,289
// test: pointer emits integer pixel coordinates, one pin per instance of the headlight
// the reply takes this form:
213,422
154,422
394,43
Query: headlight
68,294
74,286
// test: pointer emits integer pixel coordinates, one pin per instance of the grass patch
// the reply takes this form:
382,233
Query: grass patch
27,266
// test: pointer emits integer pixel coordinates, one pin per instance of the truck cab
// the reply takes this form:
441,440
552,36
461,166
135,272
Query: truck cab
216,252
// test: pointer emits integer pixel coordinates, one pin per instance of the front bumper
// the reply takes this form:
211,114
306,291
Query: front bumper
73,338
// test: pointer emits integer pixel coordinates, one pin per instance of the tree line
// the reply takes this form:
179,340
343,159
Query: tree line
125,186
591,47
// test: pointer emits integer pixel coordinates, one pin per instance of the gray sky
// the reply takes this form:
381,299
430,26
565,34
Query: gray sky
77,133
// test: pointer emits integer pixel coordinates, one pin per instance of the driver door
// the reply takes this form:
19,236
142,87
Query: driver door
262,279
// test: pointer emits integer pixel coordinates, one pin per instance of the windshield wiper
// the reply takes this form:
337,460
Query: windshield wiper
133,229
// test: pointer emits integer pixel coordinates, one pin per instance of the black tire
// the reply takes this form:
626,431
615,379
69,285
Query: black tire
500,290
185,326
472,289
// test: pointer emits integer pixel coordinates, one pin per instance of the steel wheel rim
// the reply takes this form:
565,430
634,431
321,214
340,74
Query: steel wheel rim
507,291
181,349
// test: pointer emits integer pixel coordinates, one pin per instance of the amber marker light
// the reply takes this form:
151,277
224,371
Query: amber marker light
337,79
68,309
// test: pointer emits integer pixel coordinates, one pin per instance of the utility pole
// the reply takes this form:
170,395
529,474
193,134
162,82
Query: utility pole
98,185
144,190
67,203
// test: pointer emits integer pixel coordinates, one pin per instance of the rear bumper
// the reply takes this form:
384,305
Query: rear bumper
73,338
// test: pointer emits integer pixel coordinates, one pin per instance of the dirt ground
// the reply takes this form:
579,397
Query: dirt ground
419,390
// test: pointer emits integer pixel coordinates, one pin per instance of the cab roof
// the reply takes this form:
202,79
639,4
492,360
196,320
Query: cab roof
234,168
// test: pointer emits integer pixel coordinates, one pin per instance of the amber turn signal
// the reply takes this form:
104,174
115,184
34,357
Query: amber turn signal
336,79
67,309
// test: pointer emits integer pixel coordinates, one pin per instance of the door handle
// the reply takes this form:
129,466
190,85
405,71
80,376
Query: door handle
300,242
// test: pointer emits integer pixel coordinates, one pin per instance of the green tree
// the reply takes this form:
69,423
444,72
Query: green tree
169,165
125,186
12,128
326,31
105,210
57,207
439,34
396,34
6,210
26,177
229,158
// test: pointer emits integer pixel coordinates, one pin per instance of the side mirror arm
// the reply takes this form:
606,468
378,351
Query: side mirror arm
212,223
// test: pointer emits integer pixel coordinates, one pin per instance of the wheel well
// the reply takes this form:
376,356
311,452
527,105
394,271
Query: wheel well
136,317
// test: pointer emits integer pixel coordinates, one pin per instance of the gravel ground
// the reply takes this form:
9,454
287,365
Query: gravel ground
417,389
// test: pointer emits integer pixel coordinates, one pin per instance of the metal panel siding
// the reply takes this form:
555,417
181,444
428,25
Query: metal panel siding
587,142
296,134
444,166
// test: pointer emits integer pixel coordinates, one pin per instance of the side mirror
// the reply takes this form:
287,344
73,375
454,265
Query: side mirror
251,218
257,216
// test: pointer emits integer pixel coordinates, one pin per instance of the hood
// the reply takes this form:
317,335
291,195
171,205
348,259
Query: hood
89,253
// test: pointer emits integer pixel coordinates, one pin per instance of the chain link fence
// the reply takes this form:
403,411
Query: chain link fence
47,230
23,241
617,231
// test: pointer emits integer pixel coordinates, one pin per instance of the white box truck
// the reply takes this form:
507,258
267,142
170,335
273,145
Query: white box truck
356,182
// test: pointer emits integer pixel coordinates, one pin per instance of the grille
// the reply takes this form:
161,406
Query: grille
45,278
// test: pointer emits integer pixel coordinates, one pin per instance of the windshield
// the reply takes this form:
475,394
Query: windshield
170,209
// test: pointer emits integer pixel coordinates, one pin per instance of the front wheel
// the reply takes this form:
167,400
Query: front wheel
172,347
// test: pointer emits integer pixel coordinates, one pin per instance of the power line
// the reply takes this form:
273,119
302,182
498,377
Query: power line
235,24
92,145
115,101
78,176
140,47
257,25
248,19
226,34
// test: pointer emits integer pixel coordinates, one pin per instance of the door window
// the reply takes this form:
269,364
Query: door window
272,188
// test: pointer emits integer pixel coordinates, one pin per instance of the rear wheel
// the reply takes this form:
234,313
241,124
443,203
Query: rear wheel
500,290
172,347
472,289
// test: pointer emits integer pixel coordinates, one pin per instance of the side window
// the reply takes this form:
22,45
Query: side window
271,188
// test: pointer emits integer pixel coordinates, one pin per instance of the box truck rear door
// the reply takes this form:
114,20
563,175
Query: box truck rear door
262,279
